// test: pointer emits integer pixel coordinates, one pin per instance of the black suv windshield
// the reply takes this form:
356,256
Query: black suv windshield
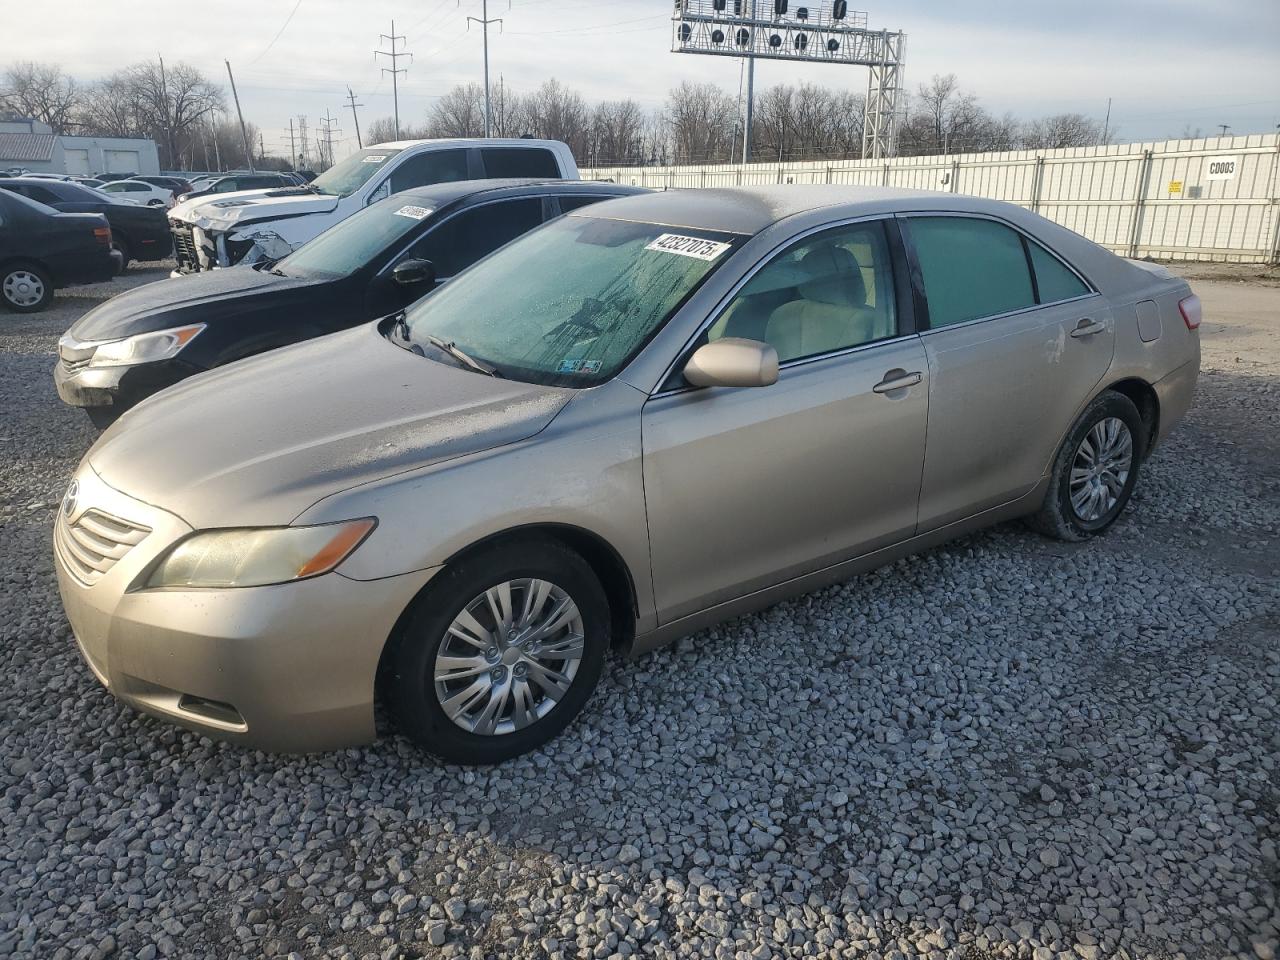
347,176
571,303
349,245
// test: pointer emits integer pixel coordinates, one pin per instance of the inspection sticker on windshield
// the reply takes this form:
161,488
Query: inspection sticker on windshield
375,158
695,247
414,213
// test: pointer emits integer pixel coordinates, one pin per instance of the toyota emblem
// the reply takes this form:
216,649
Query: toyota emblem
69,500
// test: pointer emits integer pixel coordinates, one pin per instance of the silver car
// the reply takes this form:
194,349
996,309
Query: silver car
647,416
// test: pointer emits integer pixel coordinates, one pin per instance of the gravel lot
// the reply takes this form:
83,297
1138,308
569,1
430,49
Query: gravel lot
1006,747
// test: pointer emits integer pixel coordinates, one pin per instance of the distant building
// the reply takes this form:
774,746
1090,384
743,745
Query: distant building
33,146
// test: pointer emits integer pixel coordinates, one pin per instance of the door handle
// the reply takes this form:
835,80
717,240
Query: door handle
898,380
1087,328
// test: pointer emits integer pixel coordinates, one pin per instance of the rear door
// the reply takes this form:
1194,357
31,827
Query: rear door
1016,341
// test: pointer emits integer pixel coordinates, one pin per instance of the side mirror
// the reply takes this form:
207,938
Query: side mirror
381,193
733,362
407,273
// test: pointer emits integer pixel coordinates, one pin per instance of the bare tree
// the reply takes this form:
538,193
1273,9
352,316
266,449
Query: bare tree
617,133
459,113
1062,130
555,112
40,91
383,130
701,122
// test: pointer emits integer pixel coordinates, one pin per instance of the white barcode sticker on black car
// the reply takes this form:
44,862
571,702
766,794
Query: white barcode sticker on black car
695,247
417,213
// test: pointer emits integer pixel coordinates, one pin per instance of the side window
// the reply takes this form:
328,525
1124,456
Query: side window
463,239
972,268
519,162
827,292
226,186
42,194
574,203
1054,281
433,166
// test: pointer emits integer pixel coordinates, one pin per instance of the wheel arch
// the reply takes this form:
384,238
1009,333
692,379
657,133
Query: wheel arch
1143,396
605,561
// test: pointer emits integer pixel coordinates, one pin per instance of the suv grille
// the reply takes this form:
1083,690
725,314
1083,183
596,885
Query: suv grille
184,246
95,542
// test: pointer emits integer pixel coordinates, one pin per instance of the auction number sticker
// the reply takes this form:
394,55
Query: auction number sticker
414,213
375,158
1221,168
695,247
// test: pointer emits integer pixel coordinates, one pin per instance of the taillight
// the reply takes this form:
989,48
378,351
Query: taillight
1190,310
102,235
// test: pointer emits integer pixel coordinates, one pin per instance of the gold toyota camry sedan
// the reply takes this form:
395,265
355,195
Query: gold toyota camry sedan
641,418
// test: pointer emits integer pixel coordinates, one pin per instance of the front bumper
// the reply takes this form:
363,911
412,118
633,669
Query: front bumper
289,667
119,388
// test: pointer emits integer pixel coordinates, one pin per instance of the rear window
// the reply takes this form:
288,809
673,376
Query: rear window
972,268
502,162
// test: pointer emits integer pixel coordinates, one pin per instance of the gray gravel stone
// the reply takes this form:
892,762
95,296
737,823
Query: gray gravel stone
1002,748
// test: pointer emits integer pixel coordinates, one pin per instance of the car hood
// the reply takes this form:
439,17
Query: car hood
259,441
194,298
223,211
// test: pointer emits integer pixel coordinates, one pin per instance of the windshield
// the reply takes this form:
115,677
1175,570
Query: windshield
347,176
349,245
571,303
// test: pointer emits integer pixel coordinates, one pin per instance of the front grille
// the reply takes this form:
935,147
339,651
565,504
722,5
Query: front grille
184,246
95,542
71,366
74,355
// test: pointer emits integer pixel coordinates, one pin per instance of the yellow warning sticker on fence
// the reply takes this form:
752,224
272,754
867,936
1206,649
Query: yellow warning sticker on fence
1175,186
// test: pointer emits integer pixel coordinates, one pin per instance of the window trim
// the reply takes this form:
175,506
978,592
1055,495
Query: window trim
904,305
452,214
917,274
474,168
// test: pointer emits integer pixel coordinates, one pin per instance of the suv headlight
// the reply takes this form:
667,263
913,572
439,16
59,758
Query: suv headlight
256,557
144,347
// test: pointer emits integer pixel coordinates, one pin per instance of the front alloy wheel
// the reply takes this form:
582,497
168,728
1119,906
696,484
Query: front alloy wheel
500,652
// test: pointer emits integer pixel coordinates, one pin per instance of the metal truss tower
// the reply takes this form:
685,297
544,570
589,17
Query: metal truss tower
825,32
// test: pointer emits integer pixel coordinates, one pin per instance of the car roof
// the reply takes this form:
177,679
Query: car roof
465,142
748,210
439,194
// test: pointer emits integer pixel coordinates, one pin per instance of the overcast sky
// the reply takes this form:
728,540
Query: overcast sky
1167,64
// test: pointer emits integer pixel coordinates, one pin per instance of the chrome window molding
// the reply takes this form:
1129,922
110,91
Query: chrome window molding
1006,314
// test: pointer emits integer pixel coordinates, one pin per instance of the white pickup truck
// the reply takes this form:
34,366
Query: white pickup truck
225,229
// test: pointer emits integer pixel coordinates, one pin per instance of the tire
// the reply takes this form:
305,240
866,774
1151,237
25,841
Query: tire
417,693
25,287
1110,423
155,203
121,245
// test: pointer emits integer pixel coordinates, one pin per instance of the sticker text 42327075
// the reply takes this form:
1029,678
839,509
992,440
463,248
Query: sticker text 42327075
697,247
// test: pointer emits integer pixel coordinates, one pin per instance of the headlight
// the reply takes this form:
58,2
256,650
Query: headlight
145,347
257,557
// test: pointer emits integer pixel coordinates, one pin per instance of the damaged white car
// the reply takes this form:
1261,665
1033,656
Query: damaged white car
243,227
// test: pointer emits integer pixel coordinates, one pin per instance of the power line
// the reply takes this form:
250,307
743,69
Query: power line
394,69
288,20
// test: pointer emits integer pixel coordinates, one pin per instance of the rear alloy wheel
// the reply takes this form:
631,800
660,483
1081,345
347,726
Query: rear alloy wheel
1095,470
500,653
25,288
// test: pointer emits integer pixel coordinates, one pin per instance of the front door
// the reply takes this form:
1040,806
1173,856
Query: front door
1016,342
750,487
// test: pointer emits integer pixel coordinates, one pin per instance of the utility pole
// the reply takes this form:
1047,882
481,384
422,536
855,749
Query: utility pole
302,140
1224,127
355,118
164,98
394,70
293,151
751,88
262,148
484,22
244,133
328,122
1106,124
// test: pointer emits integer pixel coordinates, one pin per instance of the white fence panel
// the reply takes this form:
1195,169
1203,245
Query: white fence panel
1215,198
